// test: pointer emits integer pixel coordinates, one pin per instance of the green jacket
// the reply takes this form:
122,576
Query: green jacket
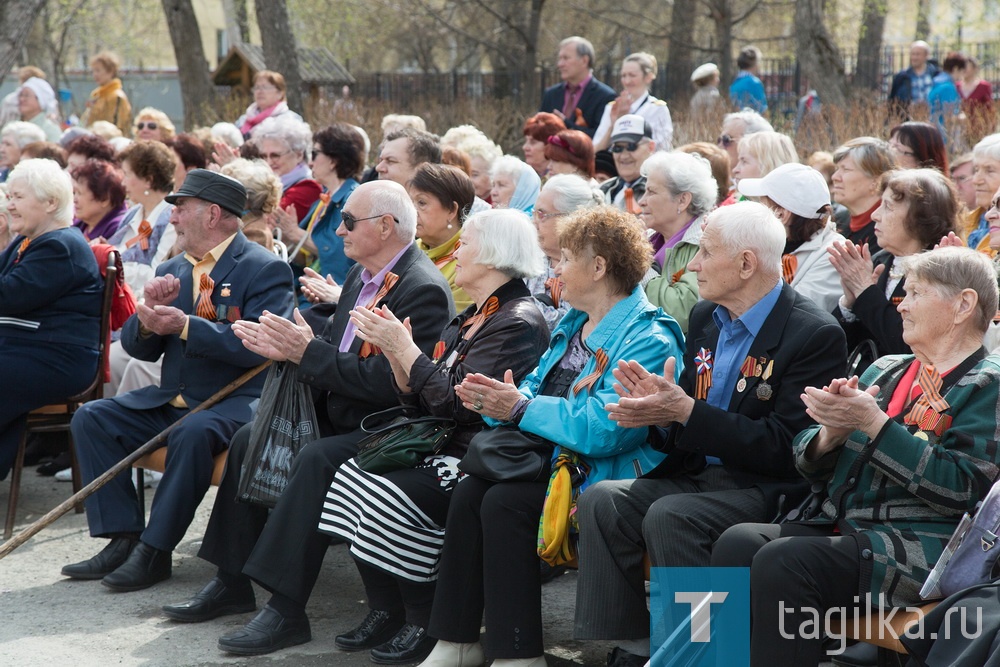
677,298
905,502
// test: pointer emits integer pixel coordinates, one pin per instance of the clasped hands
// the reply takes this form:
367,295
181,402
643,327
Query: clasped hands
647,399
854,264
841,408
274,337
154,314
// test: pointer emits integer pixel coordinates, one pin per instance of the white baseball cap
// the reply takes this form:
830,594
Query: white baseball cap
794,187
631,127
704,70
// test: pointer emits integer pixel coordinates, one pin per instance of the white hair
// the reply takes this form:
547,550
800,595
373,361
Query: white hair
392,198
571,192
509,165
23,133
685,172
751,226
228,134
752,120
293,133
988,147
508,241
47,181
395,121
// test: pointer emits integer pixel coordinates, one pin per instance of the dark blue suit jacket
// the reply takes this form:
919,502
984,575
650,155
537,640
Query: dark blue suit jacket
247,277
592,102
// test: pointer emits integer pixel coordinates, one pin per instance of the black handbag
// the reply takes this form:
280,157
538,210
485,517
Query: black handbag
508,454
400,438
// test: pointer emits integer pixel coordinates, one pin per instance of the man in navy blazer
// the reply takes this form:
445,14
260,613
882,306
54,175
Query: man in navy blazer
727,428
185,318
580,99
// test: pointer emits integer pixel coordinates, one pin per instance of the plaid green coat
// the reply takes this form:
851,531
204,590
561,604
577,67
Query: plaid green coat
904,503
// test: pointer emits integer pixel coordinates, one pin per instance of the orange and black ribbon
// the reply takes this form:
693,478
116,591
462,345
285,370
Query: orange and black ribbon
927,409
142,238
676,277
205,309
896,300
473,324
447,257
367,349
588,381
703,363
630,204
554,286
439,349
21,248
789,264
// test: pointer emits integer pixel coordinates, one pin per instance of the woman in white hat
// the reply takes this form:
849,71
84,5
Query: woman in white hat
800,198
707,99
637,74
35,100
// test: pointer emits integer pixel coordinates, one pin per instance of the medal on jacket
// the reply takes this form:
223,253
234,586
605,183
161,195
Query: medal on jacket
749,369
764,391
703,373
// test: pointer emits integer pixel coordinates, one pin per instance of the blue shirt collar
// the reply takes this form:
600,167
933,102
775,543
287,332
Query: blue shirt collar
754,318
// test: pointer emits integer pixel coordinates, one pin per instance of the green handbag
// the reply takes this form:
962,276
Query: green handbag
400,438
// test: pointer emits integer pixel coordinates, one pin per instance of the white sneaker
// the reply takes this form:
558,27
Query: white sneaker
64,475
521,662
452,654
150,479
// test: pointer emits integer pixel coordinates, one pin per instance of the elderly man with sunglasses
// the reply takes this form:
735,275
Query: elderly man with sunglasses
631,144
283,552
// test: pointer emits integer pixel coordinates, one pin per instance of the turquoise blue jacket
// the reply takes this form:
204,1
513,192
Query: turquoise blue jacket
634,329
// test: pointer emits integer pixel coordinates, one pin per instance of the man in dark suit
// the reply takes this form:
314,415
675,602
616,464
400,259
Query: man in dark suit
727,428
283,552
186,318
580,99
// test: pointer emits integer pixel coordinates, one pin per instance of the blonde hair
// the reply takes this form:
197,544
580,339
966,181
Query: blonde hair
108,60
263,186
645,61
772,149
162,120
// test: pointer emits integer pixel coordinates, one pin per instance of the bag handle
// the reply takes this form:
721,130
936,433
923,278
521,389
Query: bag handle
387,418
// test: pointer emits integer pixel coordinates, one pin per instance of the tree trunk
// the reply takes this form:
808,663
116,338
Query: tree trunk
242,19
278,41
867,75
923,19
818,57
197,91
721,12
679,52
16,19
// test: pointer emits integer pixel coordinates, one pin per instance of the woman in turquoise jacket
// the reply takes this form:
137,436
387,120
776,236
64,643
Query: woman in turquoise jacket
490,559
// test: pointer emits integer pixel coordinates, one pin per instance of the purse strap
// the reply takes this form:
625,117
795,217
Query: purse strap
390,419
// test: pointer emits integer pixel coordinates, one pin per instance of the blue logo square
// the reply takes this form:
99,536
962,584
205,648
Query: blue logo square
700,616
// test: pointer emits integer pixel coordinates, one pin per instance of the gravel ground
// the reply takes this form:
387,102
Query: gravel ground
51,621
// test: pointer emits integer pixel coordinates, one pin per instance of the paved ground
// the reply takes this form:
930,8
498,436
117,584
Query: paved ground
50,621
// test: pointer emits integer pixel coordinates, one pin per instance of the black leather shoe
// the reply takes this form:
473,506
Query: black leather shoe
619,657
859,655
104,563
266,632
411,644
214,600
377,628
145,566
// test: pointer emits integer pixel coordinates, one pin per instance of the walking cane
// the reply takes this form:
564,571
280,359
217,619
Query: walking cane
156,442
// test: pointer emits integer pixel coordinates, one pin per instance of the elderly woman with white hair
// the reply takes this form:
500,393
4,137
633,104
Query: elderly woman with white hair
284,143
680,191
396,551
13,138
50,301
986,181
561,195
35,101
515,184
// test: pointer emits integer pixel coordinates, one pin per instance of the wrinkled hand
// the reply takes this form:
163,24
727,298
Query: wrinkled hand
622,105
318,289
950,241
494,398
287,220
161,320
161,290
275,337
842,408
223,154
854,264
647,399
380,327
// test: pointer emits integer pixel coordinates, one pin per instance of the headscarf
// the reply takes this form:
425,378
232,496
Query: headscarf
526,192
43,91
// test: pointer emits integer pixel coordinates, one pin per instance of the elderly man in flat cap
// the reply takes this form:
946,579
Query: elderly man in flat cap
221,277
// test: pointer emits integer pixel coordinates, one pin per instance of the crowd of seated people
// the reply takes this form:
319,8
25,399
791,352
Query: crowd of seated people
689,329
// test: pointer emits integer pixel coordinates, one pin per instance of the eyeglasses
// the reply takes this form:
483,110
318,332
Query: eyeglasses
349,220
901,149
262,89
631,147
725,141
274,156
146,124
539,214
959,180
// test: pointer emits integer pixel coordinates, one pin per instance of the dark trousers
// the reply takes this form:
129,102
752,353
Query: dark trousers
105,433
800,567
490,560
675,519
283,552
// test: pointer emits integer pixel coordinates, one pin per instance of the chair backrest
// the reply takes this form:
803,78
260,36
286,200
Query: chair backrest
96,388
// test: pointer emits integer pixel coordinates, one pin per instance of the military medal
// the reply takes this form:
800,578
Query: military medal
764,391
703,373
741,385
747,370
225,292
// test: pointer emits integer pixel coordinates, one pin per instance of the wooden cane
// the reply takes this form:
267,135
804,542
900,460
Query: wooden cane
156,442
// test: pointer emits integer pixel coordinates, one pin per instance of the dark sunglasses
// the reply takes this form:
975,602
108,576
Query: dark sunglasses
631,147
349,220
725,141
142,125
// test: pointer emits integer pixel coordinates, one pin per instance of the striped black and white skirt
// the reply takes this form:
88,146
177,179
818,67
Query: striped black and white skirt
394,522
